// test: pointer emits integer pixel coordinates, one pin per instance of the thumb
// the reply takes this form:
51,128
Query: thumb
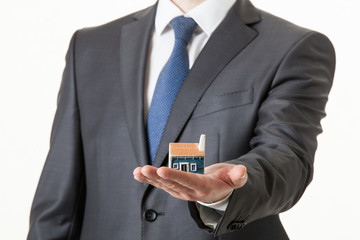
238,176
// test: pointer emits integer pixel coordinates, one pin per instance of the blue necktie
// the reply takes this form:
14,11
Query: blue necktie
169,82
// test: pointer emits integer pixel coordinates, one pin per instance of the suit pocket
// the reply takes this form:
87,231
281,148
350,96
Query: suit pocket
223,101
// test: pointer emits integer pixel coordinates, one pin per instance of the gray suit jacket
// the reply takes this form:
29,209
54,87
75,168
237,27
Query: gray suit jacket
257,90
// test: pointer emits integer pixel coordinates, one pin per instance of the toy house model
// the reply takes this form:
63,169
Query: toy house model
188,157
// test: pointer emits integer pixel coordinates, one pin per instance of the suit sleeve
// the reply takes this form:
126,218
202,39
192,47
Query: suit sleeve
280,162
57,207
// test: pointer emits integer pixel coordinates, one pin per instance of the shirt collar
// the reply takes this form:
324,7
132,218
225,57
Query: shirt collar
215,11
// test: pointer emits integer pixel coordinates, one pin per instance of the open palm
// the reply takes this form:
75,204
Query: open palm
218,181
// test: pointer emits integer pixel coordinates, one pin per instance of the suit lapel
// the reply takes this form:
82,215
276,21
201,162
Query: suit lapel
226,42
134,42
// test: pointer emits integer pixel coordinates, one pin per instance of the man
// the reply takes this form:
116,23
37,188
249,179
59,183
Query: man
257,88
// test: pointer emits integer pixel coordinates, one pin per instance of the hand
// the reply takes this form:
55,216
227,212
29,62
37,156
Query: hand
218,181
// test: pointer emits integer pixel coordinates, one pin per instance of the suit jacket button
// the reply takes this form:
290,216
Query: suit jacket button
232,226
150,215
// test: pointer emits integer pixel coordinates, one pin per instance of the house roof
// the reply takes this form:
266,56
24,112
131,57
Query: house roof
185,149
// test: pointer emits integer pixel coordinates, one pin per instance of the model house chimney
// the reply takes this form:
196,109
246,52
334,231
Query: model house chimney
202,143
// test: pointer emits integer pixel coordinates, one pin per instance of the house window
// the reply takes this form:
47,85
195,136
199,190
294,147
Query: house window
193,167
175,166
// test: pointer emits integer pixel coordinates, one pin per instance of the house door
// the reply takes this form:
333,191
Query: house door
184,167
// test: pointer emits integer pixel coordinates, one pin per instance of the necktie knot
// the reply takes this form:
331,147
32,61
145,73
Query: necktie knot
183,28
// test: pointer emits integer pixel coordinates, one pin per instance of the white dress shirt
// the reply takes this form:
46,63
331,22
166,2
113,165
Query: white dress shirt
163,38
208,16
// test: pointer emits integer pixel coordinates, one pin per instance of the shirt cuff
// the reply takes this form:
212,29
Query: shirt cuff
211,213
219,205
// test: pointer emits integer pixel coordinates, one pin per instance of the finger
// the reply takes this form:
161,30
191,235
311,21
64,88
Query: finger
149,172
167,185
149,175
237,176
188,180
141,177
138,175
174,186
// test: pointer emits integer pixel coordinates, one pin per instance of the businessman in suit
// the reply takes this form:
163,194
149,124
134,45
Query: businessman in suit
257,87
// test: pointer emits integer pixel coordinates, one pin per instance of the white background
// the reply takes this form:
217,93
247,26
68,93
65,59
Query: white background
34,37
